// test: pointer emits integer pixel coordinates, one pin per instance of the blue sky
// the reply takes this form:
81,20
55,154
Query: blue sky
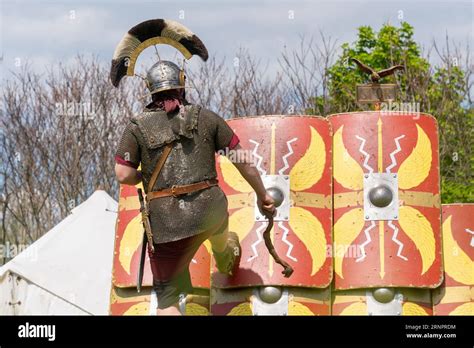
47,32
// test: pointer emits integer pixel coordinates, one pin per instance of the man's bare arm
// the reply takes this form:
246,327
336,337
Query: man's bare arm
127,175
252,176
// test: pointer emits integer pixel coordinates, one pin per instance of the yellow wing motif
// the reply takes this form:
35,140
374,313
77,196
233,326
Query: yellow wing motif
409,308
346,230
415,169
464,309
309,169
296,308
310,231
142,308
457,263
242,309
419,230
241,222
232,176
347,171
131,240
357,308
196,309
208,246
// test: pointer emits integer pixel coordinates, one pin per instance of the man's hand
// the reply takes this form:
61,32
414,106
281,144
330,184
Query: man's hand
127,175
266,205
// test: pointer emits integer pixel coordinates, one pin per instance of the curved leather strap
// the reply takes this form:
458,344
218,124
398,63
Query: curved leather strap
177,191
159,166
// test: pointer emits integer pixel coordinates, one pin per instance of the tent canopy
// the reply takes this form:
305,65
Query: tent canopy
69,269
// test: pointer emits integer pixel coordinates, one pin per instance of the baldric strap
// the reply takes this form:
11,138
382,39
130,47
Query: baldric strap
159,166
174,191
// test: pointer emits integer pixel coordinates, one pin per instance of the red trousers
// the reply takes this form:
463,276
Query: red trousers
170,266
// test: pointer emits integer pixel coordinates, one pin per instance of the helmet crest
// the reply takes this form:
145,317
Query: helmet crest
153,32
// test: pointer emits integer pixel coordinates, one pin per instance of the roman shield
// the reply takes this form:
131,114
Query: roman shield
292,154
126,301
270,301
456,294
386,200
382,301
128,241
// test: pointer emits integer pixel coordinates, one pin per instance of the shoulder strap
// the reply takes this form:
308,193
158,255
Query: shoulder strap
159,166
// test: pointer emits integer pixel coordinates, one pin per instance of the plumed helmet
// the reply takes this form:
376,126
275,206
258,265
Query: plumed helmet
164,75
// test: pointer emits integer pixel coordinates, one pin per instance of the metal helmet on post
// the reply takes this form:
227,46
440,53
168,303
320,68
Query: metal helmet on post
163,75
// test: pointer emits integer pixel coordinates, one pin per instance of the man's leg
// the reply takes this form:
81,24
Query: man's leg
170,267
219,241
169,294
226,250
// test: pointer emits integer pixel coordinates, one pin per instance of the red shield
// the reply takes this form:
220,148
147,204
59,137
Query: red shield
126,301
356,302
297,149
456,295
299,302
401,250
128,239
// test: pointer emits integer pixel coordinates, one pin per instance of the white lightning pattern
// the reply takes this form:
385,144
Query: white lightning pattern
257,242
472,239
286,241
392,155
367,241
396,241
367,156
284,158
260,158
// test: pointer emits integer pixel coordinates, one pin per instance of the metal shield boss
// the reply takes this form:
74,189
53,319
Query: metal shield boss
386,212
382,301
456,295
293,156
124,299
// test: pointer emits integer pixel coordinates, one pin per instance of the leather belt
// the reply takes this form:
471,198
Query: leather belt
177,191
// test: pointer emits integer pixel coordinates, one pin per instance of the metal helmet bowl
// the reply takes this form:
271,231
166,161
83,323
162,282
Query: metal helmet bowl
164,75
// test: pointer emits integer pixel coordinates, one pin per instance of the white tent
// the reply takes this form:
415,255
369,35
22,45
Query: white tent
69,269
